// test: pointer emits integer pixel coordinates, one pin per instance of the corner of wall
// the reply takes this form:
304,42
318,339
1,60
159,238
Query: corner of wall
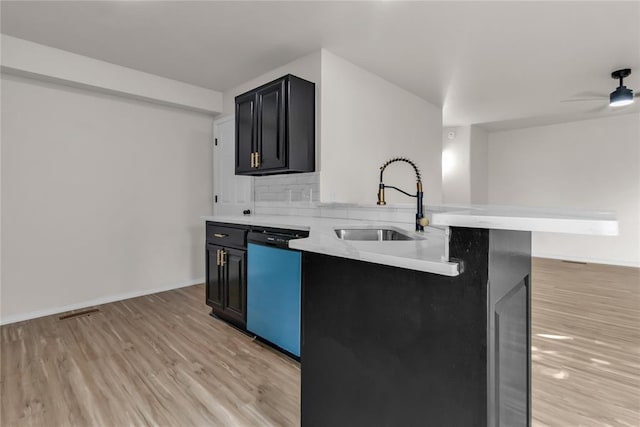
357,115
479,165
294,188
37,61
367,120
588,164
456,184
307,67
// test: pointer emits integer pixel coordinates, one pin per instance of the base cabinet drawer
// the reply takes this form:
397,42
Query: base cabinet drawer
222,235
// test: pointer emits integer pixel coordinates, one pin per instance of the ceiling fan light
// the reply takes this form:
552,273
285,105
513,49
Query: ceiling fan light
620,97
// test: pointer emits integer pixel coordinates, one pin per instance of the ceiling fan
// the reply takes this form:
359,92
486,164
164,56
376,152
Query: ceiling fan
618,98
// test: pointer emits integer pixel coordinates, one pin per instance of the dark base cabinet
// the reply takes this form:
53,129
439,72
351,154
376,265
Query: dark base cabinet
226,272
384,346
226,283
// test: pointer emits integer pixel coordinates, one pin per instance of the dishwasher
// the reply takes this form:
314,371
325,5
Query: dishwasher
273,287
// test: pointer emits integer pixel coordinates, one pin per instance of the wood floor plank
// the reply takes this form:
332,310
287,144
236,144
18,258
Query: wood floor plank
161,360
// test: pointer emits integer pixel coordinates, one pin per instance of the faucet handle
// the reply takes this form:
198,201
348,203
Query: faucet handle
423,222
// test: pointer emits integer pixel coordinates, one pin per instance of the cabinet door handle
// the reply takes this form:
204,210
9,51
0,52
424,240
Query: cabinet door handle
217,256
253,161
219,235
257,159
223,254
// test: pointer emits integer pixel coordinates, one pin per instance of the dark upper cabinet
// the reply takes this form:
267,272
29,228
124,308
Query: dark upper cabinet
275,128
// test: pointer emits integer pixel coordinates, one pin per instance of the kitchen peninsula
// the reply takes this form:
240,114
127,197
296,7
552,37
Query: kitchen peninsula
430,330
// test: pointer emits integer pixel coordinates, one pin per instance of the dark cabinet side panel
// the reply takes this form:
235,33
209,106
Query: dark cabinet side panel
301,125
511,360
509,314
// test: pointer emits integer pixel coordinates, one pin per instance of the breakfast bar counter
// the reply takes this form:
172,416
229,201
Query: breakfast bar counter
432,330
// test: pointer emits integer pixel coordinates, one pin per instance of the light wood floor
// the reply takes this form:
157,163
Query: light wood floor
585,345
154,360
161,360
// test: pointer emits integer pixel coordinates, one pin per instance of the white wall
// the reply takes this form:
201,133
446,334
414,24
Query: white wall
34,60
592,164
101,197
307,67
367,120
479,165
464,165
456,185
362,121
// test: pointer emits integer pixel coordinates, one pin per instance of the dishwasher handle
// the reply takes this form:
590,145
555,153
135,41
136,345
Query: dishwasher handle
269,239
265,241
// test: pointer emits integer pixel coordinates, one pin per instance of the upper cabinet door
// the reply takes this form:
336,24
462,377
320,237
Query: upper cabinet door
245,133
271,126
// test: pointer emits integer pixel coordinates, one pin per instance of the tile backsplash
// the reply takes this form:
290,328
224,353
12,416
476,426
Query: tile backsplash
299,195
294,188
401,213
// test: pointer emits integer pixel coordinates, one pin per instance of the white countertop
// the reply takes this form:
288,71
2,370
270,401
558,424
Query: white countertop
429,252
426,253
570,221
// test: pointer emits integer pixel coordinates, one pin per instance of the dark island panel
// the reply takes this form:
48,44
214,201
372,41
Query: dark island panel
509,305
385,346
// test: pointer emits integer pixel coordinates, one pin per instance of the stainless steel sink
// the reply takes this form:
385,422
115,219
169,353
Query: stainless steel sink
370,234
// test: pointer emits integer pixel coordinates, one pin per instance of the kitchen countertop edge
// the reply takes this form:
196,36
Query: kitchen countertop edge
424,254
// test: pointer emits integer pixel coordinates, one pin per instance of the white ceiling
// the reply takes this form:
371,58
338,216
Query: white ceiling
498,64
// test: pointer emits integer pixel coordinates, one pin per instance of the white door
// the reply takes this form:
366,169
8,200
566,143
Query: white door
232,194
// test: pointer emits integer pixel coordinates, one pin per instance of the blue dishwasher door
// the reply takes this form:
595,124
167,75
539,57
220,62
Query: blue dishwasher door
273,295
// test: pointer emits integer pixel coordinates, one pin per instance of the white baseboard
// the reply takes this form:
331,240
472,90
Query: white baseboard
587,259
98,301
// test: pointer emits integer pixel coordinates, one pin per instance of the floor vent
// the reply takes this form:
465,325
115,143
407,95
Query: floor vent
79,313
574,262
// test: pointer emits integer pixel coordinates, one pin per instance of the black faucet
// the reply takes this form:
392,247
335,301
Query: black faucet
421,221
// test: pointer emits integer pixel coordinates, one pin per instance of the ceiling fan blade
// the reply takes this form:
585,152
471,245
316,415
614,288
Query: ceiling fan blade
600,109
590,94
583,99
586,96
